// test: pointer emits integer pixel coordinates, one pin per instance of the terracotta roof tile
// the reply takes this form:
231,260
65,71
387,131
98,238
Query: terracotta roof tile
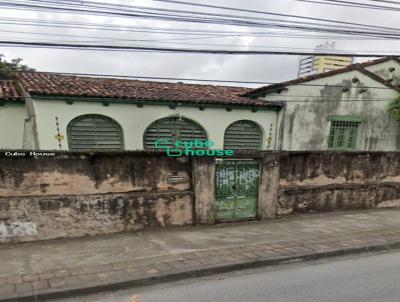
8,90
54,84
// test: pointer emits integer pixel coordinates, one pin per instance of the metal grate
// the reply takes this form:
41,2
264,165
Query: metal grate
173,129
343,135
243,135
94,132
236,189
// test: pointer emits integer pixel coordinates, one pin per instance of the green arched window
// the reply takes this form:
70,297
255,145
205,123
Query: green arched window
173,129
243,135
94,132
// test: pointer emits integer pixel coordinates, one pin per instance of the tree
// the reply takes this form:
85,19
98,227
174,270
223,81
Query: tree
8,69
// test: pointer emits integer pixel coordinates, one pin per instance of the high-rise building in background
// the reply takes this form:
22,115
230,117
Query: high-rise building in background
309,65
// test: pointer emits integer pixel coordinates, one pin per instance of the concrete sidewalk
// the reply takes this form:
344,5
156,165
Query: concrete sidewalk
35,271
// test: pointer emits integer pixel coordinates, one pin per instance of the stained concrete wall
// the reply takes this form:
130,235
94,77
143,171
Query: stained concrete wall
269,185
32,218
390,71
80,194
327,181
85,173
203,185
305,123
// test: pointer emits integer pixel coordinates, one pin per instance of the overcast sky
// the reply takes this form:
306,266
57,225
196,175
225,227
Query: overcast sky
245,68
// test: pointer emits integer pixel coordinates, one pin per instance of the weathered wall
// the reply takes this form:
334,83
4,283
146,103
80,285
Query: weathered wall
38,218
203,189
327,181
80,173
72,195
81,194
305,121
389,71
269,186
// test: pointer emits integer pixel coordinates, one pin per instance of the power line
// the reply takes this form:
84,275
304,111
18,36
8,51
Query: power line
382,34
172,17
345,31
110,40
168,31
270,13
385,1
189,50
352,4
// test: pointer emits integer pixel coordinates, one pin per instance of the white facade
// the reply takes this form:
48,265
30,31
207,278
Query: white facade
12,119
132,119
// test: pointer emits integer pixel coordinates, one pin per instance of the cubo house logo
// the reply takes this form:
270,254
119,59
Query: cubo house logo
190,148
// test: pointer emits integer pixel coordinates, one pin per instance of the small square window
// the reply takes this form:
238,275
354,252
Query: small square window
343,135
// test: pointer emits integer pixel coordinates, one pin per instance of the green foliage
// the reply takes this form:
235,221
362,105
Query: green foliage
8,69
394,108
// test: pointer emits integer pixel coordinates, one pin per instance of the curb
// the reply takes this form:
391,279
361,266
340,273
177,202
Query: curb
199,273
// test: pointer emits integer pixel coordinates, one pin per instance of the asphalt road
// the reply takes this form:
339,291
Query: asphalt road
371,278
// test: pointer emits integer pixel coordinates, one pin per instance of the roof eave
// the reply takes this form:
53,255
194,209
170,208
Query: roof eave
158,102
12,100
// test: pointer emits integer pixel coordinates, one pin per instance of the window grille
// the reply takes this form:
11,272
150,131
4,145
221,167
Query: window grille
173,129
343,135
243,135
94,132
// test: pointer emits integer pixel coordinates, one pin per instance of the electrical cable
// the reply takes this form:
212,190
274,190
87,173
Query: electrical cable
189,50
235,23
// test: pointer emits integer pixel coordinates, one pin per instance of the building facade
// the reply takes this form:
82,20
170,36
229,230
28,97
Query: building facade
59,112
346,109
309,65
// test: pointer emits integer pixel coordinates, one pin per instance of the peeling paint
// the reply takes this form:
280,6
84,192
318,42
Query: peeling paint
306,124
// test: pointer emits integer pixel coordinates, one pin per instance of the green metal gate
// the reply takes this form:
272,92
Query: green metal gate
236,189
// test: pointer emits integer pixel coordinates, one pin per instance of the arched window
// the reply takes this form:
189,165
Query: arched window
243,135
94,132
173,129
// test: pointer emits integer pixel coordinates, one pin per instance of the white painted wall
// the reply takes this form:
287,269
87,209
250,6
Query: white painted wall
12,118
305,122
134,120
